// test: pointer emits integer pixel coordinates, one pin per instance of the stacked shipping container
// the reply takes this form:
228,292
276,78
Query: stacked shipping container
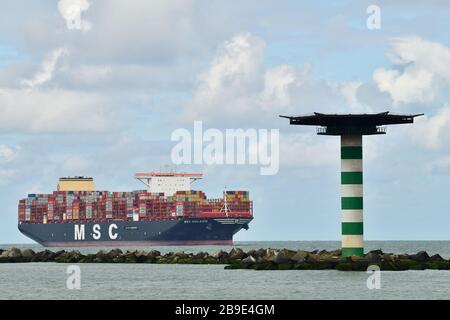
68,206
238,201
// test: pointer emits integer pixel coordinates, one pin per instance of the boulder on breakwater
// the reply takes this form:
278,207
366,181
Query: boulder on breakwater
262,259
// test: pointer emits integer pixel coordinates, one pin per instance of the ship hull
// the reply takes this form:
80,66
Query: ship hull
186,231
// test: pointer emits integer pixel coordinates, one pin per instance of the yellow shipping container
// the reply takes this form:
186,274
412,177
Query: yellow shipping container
76,184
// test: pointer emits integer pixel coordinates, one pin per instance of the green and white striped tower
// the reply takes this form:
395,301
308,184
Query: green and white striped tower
351,128
352,195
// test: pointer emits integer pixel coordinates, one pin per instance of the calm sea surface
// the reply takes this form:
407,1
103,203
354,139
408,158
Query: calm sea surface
151,281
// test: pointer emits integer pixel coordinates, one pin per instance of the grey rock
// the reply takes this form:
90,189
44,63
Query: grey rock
141,253
387,257
346,259
153,254
76,253
58,253
249,259
288,253
313,257
255,253
74,256
201,255
436,258
421,256
300,256
261,252
260,260
220,255
298,259
270,253
280,257
324,257
373,256
14,253
394,257
180,255
355,258
337,252
102,253
46,255
237,253
114,253
27,253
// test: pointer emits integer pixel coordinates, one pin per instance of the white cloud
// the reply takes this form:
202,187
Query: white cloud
234,77
350,92
75,163
53,110
71,11
48,69
6,175
89,75
307,150
423,70
440,165
143,32
236,64
238,85
7,153
415,85
278,85
39,109
433,132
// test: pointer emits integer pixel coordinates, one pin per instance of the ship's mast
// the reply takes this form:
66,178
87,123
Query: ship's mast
225,202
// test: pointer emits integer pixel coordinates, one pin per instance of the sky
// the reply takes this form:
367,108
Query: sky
102,97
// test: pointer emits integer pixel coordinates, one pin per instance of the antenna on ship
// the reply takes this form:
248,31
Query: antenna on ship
225,203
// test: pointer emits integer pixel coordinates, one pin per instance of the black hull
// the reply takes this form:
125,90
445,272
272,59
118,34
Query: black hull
189,231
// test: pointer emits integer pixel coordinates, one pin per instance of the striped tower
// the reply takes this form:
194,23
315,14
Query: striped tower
351,128
352,195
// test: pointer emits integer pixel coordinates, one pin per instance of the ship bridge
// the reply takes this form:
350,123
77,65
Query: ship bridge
167,182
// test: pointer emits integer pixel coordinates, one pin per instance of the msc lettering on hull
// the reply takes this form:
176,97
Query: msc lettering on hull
80,232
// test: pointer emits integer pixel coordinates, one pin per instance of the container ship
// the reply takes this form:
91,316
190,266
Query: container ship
168,212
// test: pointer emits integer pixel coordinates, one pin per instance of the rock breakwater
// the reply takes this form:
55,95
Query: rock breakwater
262,259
